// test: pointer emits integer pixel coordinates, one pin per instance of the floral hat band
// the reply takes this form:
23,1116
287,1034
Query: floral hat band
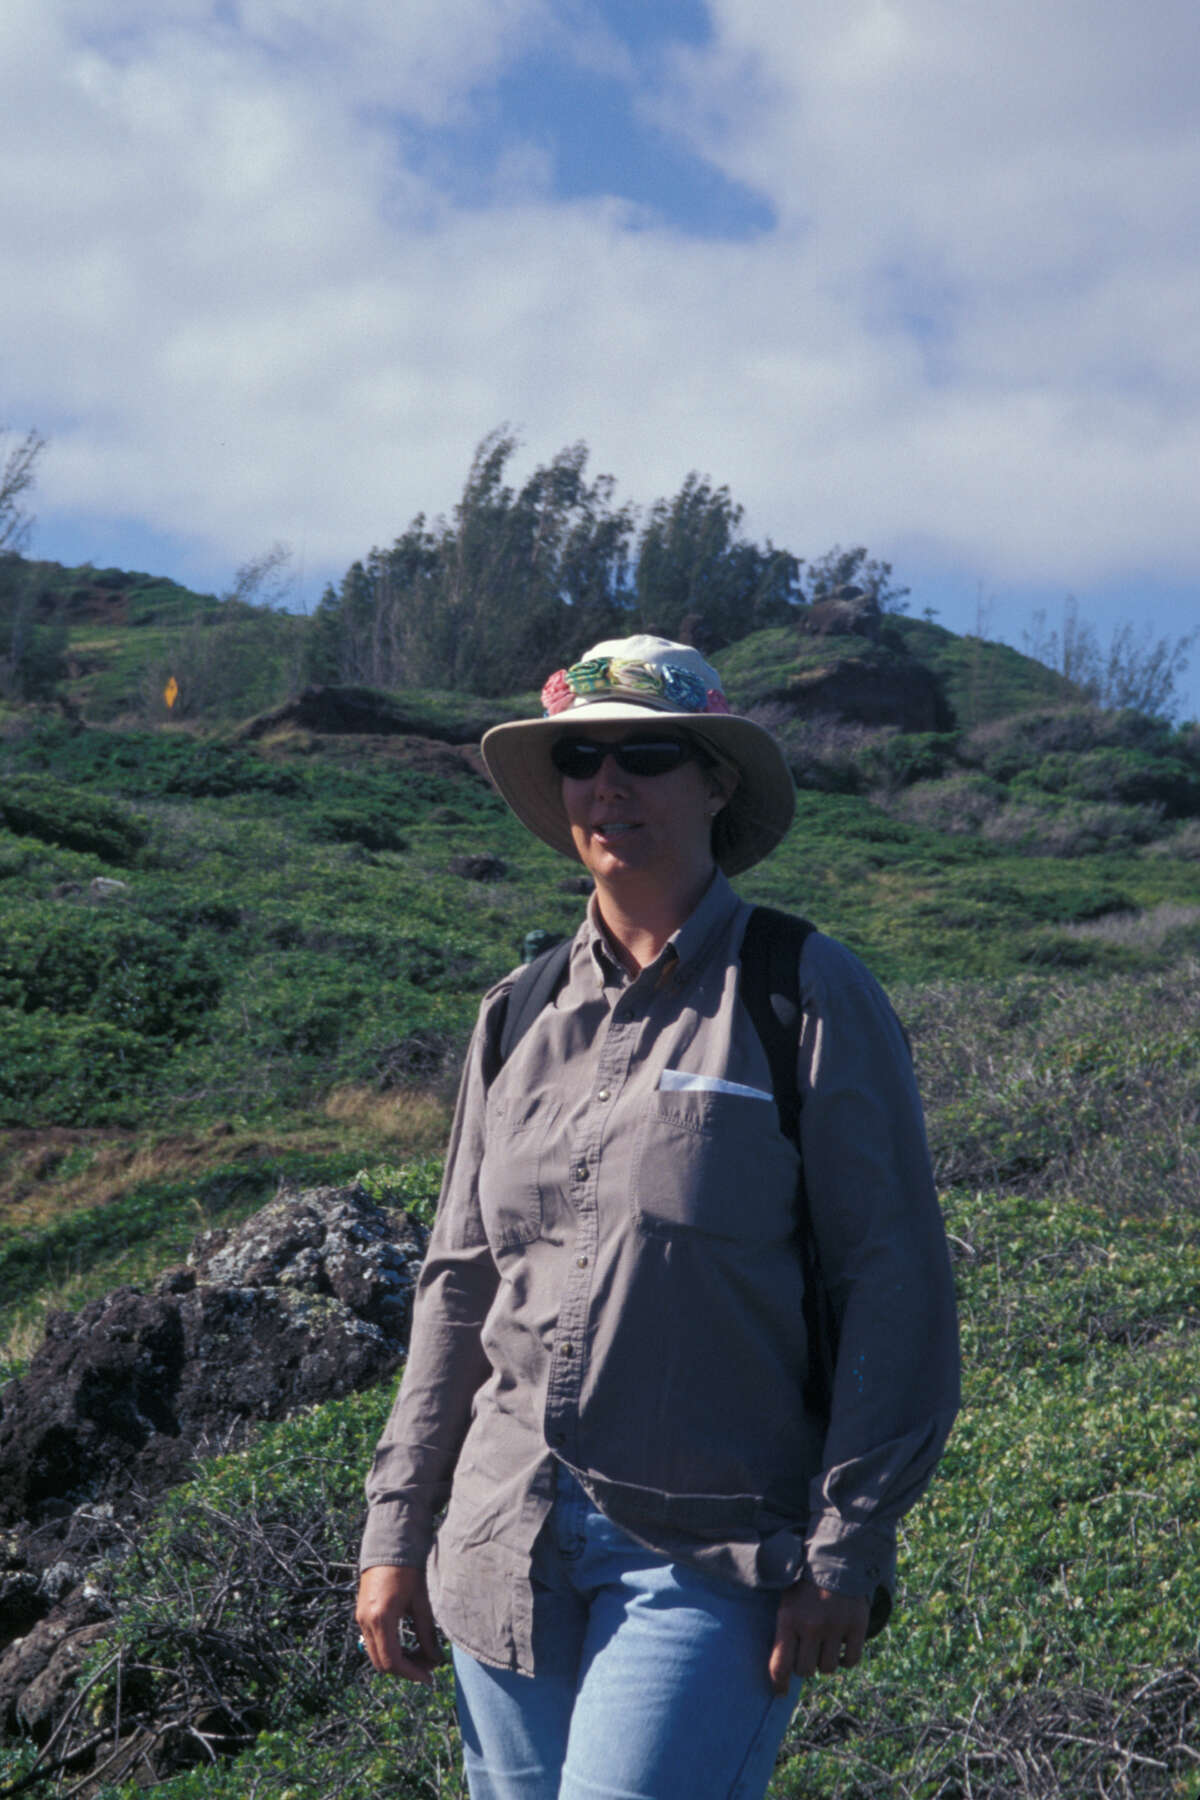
613,678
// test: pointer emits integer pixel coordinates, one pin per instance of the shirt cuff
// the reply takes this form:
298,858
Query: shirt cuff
854,1559
393,1536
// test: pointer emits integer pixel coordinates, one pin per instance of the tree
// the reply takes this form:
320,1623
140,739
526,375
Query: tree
32,648
1137,671
840,568
489,599
693,565
17,475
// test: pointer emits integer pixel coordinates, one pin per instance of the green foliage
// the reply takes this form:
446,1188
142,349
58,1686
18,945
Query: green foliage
56,814
147,763
982,681
125,970
71,1071
1126,776
33,659
236,1617
231,662
696,574
902,759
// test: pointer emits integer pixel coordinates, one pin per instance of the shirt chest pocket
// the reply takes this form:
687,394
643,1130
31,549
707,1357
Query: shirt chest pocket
511,1172
717,1163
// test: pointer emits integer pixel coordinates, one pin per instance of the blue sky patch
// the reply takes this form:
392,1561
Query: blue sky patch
586,126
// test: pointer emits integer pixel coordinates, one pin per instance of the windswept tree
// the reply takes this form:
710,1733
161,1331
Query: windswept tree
696,573
531,573
1135,671
32,645
487,600
18,472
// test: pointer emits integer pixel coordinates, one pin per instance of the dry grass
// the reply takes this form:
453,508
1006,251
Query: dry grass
419,1118
1147,930
47,1175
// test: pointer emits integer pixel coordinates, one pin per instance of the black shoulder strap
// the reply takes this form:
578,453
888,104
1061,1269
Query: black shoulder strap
533,989
771,992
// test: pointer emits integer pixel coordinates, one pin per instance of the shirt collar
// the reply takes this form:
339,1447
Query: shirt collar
715,908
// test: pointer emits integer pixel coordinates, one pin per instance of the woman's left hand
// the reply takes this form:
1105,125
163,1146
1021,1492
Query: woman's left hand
817,1632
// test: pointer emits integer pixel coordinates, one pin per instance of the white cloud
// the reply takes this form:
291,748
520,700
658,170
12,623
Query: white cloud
241,315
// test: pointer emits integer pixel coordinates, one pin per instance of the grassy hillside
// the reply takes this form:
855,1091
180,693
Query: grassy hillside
225,958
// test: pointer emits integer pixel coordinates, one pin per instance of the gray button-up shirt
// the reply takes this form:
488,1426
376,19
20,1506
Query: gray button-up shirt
613,1280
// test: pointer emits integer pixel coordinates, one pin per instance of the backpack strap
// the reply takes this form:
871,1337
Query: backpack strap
771,994
534,988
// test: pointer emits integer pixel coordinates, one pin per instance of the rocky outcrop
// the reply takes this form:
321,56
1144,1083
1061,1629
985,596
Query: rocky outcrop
849,612
358,711
308,1300
877,689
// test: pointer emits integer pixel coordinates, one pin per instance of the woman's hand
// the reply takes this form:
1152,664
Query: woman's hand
386,1597
817,1632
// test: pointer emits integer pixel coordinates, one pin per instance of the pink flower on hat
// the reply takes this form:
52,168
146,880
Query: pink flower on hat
556,695
716,702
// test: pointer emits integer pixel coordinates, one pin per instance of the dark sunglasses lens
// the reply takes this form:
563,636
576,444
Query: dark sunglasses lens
580,758
576,757
655,756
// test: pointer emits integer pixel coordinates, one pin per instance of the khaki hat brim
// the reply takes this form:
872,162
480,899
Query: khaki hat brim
748,827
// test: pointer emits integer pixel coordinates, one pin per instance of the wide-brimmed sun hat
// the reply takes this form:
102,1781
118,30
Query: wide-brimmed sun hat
646,681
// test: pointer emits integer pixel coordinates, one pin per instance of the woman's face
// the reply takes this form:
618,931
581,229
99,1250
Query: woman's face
644,827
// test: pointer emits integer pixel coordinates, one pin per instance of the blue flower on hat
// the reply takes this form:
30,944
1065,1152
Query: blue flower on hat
682,688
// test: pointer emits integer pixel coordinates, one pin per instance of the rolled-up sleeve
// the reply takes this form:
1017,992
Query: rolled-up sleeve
882,1249
413,1466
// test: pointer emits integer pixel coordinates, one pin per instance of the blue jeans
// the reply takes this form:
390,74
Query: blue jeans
652,1678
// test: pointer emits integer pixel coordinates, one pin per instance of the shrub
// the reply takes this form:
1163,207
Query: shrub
122,970
1004,747
61,815
1131,777
908,757
1045,1083
373,830
1184,842
1064,828
235,1633
959,803
70,1071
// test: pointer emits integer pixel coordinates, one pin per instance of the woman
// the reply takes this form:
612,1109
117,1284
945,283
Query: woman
651,1534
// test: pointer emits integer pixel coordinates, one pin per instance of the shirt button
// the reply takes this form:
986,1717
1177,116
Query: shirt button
581,1262
568,1349
603,1094
580,1171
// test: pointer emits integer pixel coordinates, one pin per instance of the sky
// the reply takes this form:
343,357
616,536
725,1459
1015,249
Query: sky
901,273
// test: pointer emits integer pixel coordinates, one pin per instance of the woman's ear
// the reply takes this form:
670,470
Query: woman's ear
722,780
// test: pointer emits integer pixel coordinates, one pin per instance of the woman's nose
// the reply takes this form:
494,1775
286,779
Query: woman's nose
610,774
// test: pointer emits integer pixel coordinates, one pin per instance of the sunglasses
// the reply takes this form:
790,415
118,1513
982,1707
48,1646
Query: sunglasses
580,757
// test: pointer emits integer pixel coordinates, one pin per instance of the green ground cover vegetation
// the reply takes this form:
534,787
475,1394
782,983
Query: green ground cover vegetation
225,959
